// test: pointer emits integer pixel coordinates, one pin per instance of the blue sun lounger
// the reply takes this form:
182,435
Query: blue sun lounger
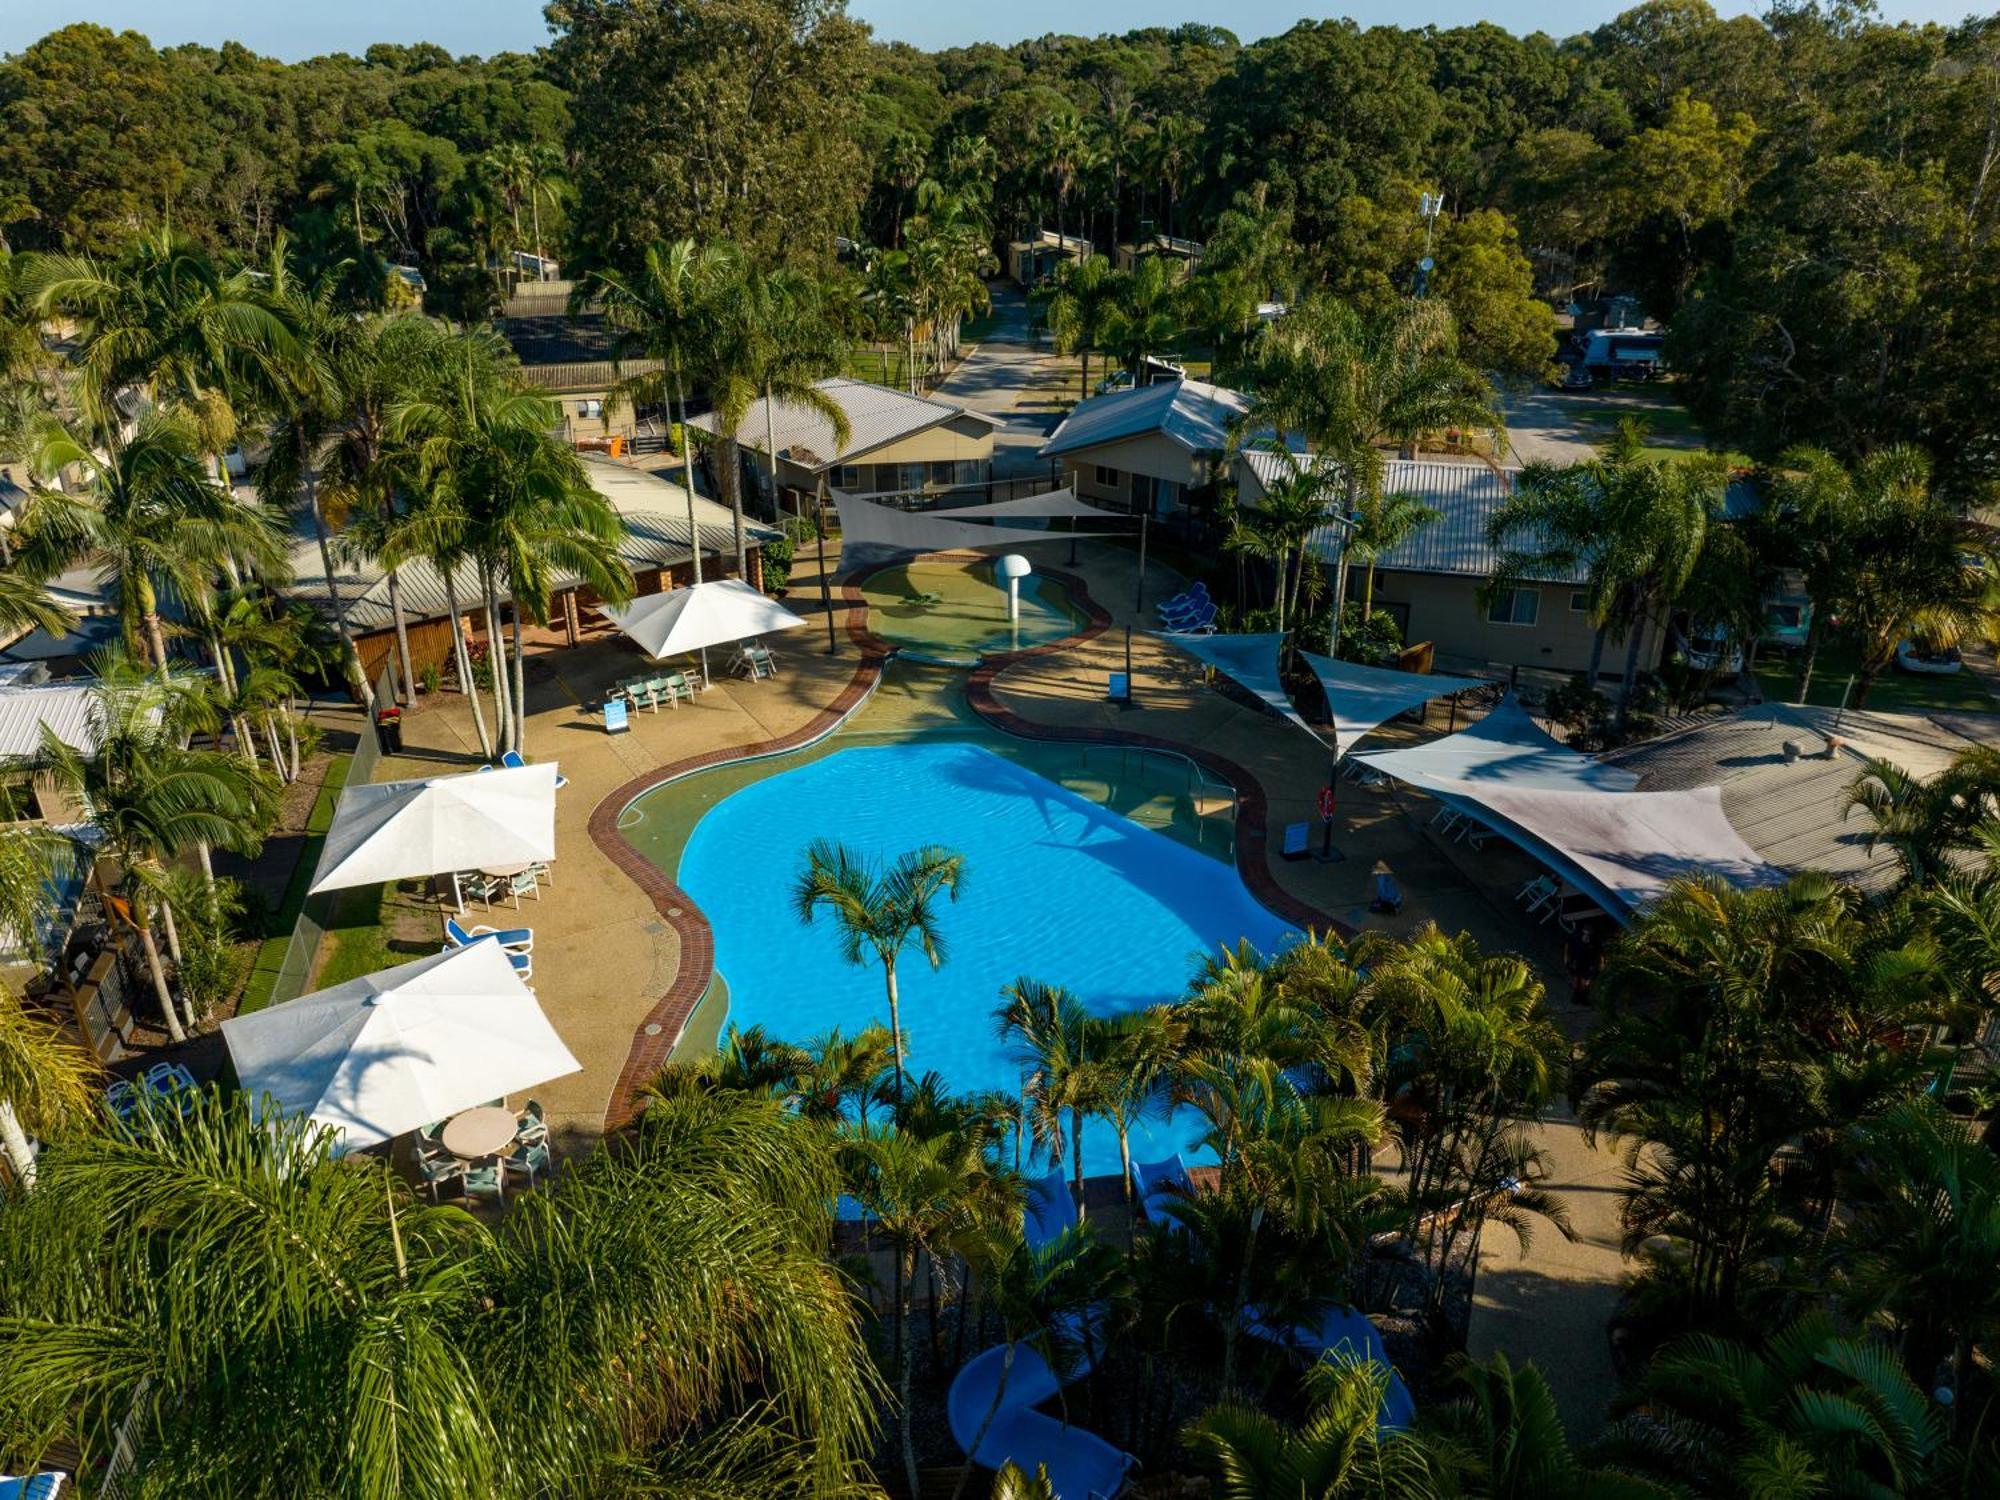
512,761
1081,1464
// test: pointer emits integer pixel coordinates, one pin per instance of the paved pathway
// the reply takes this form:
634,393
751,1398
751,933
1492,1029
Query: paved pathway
1015,377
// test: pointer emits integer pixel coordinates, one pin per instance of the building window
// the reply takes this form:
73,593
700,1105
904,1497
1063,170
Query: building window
910,476
1107,476
941,471
1514,607
1579,602
968,471
848,478
590,409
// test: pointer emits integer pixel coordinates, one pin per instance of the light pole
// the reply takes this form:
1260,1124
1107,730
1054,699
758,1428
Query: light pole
1347,523
1429,206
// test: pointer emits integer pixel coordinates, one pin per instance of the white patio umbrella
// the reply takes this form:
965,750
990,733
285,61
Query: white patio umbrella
391,1052
693,619
438,825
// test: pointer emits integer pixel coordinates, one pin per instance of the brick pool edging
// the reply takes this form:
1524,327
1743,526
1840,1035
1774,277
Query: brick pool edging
661,1029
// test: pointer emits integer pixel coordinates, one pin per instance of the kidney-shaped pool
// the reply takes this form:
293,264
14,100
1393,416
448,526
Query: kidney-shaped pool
1057,888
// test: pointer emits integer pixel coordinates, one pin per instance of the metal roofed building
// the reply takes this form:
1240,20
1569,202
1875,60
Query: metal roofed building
569,358
897,443
655,546
1790,810
1147,448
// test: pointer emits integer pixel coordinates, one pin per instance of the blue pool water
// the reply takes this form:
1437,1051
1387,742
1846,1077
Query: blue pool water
1057,888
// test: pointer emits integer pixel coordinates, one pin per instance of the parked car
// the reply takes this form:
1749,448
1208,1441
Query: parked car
1708,648
1929,661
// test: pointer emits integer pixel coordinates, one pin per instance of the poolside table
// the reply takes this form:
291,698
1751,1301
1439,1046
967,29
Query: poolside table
478,1133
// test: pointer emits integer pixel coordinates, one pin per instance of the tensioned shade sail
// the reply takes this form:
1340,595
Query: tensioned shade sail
1506,748
708,614
868,530
1629,843
1251,661
1361,698
392,830
393,1051
1053,505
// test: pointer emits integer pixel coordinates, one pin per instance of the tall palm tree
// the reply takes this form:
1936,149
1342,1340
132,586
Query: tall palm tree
1887,555
903,161
1383,523
843,1072
1936,825
156,526
1630,527
25,604
1079,308
1148,312
164,318
48,1084
879,912
1136,1052
662,1317
509,496
666,313
1049,1033
1505,1438
149,799
917,1189
1337,1452
1296,501
1063,145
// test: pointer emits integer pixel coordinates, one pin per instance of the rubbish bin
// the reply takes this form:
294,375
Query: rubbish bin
389,730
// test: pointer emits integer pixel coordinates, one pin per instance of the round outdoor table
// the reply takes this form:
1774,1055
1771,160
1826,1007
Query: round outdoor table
504,872
486,1131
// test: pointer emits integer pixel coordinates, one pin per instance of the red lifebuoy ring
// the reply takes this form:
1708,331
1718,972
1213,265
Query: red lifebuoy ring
1326,803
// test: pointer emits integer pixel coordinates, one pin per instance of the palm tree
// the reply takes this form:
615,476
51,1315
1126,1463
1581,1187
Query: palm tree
1804,1412
903,161
917,1189
1147,313
1136,1052
880,912
149,799
665,314
1924,1236
841,1071
661,1317
48,1084
164,318
146,514
1063,146
950,255
506,494
1281,529
1049,1031
1630,527
25,605
1383,523
1505,1438
1335,1453
775,341
1079,308
1043,1297
1886,555
1011,1483
1933,826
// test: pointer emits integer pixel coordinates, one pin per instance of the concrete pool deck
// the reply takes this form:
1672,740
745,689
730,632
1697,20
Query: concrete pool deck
611,960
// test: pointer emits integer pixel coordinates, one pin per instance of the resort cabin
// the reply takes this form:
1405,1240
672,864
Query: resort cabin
655,546
1149,449
1184,253
1033,261
1438,584
570,360
897,444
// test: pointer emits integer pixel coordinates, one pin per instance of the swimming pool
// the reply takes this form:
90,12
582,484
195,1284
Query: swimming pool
955,611
1057,888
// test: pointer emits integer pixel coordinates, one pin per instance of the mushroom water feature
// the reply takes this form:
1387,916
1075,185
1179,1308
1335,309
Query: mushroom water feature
1013,567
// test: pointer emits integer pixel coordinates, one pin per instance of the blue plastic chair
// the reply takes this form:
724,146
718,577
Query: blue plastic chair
512,761
43,1486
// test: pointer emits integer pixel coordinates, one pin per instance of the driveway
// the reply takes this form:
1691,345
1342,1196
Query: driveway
1545,425
1015,377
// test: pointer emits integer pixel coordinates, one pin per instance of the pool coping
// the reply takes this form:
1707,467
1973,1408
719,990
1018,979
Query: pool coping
654,1040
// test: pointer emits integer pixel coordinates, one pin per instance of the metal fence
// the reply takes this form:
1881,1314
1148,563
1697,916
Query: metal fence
316,915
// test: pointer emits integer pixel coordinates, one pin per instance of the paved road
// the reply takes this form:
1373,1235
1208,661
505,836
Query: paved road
1543,425
1012,377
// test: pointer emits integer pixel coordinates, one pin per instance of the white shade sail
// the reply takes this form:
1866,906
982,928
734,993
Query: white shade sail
1629,844
1506,748
1251,661
392,830
391,1052
1362,698
708,614
1049,505
871,532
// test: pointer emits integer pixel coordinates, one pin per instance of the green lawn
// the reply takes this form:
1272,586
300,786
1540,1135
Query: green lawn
884,366
1665,418
358,940
278,935
1894,691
